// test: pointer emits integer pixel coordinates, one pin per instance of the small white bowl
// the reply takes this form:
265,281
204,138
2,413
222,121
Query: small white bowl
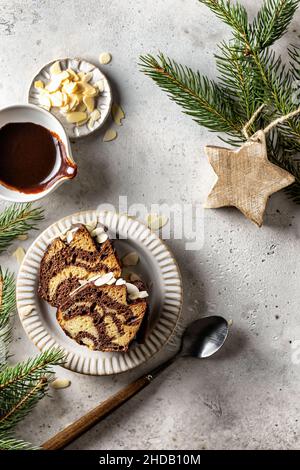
103,101
31,113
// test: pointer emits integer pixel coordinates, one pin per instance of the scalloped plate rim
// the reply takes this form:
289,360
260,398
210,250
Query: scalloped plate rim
122,361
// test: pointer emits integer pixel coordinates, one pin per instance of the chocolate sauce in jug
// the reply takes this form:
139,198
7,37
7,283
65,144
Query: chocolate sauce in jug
32,158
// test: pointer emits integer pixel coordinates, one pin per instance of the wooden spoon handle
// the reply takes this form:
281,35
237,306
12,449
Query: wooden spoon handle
76,429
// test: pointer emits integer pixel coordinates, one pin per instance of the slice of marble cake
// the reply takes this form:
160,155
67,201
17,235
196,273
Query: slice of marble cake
105,317
73,258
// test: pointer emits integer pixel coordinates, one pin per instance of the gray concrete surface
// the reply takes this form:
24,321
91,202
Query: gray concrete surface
247,397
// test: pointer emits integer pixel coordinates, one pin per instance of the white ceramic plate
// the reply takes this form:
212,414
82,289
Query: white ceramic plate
157,268
103,101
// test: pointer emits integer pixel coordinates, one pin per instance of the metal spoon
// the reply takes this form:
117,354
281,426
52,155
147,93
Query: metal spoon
204,337
201,339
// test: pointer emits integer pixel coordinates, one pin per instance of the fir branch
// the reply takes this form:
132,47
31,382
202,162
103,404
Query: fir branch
9,442
23,385
7,308
280,94
277,81
234,15
16,220
200,97
237,77
250,75
294,54
32,369
270,24
272,21
20,408
8,300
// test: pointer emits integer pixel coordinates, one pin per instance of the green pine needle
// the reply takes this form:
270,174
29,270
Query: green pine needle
250,74
9,442
7,308
238,78
23,385
16,220
8,304
272,21
200,97
234,15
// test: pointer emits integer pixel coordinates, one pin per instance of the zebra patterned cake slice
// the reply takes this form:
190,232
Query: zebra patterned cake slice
102,317
68,260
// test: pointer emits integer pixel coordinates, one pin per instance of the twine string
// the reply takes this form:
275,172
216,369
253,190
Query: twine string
281,119
251,121
269,126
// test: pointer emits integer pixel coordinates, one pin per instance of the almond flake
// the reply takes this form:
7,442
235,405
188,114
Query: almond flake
55,68
70,234
26,311
39,84
87,77
89,103
131,259
91,226
95,115
117,114
143,294
109,135
19,254
81,123
107,278
22,237
45,102
156,221
53,86
100,86
60,383
102,237
132,289
76,116
91,124
97,231
105,58
134,295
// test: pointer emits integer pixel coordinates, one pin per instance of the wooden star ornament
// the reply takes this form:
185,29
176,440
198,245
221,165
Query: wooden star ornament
246,178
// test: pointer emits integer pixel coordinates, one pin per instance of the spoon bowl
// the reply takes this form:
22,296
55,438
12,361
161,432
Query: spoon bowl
204,337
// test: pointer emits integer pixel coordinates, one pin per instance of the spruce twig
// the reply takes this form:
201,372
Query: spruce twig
9,442
7,308
272,21
250,75
23,385
16,220
200,97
